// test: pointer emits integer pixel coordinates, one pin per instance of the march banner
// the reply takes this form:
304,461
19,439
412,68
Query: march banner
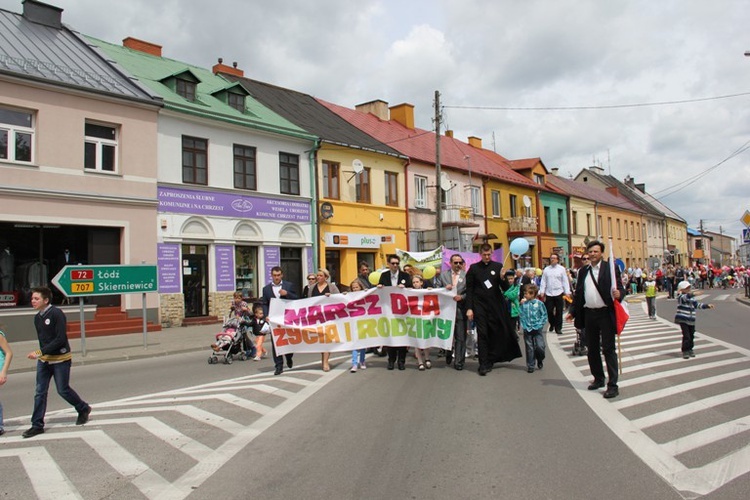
388,316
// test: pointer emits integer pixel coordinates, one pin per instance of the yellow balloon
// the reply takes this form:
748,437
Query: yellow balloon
428,272
538,272
374,277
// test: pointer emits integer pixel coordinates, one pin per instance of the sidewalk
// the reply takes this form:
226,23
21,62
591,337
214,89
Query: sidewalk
126,346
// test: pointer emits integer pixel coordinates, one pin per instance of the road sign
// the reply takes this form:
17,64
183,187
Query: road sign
745,219
746,235
85,281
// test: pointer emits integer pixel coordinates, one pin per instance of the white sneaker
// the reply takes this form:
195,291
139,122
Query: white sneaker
256,358
354,369
362,366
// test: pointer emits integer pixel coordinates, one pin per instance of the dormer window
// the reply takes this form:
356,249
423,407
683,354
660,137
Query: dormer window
539,179
237,101
185,89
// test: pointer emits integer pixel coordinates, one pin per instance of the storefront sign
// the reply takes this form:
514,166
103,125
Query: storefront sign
357,320
352,240
271,258
168,261
225,279
187,201
8,299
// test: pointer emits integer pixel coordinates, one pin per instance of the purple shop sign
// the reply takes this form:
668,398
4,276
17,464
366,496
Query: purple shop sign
225,280
168,262
187,201
271,258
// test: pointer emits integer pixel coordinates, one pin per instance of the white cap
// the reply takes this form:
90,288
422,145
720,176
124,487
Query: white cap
682,285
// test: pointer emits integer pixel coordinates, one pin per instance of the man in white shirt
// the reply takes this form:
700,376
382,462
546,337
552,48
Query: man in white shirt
553,286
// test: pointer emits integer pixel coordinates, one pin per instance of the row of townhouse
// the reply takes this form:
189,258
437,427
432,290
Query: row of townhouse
114,154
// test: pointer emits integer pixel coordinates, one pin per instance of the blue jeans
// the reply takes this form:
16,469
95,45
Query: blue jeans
535,347
358,356
61,373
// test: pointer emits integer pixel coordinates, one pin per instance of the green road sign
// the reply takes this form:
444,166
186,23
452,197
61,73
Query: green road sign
83,281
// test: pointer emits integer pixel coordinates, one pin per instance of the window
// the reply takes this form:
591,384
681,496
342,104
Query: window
496,203
609,226
391,189
237,101
289,173
599,227
547,217
420,191
588,224
539,179
476,200
632,230
560,221
16,135
100,148
513,201
363,186
574,217
194,160
244,167
330,180
619,233
185,89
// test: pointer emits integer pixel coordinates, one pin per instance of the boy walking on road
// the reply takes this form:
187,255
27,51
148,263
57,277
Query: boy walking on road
533,315
53,361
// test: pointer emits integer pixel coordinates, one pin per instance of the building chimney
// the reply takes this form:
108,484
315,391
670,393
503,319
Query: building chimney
142,46
228,70
613,190
42,13
404,114
598,170
377,107
554,170
641,187
449,133
475,142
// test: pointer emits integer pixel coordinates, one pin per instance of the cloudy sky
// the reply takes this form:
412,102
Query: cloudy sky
496,63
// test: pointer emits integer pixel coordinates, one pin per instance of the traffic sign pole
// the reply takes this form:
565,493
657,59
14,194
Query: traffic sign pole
83,326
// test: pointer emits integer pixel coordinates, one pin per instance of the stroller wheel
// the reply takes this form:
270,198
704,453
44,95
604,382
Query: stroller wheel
242,356
212,360
228,360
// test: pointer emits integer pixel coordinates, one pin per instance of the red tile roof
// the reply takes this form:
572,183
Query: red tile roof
592,193
419,144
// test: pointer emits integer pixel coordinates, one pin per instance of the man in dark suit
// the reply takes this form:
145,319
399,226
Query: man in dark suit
278,289
395,277
594,309
455,279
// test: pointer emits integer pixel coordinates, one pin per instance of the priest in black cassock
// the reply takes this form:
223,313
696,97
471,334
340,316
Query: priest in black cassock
486,305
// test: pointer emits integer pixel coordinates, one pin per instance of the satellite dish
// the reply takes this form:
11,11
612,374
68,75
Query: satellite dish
358,166
526,201
445,182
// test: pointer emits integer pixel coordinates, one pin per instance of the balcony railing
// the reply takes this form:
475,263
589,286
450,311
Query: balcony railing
459,215
522,224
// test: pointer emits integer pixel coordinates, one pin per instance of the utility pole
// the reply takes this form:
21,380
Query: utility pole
721,235
438,188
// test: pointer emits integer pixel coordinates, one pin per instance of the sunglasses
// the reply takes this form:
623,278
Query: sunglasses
394,263
458,262
310,278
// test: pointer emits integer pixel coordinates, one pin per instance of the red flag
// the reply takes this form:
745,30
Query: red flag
621,308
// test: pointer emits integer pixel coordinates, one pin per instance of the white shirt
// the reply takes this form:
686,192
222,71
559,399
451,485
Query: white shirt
394,279
276,289
554,281
592,298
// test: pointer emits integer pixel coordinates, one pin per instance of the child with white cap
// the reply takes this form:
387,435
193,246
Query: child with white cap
685,316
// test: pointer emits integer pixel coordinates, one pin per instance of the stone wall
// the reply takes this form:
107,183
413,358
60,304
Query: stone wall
171,309
219,303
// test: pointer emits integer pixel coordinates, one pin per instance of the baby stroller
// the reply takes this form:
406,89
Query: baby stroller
229,342
579,346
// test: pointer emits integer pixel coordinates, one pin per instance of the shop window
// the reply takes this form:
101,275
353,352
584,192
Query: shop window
246,262
100,150
16,135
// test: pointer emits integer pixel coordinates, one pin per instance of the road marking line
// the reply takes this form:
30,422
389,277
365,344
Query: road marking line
44,474
690,408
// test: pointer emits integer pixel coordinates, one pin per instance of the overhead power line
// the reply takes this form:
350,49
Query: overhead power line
605,106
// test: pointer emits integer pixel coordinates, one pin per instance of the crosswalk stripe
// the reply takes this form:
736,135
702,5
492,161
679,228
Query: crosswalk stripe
693,367
46,478
707,436
690,408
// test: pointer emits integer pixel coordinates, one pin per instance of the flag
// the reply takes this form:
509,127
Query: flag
621,308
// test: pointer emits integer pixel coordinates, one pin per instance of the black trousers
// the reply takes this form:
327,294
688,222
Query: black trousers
555,306
278,361
600,337
397,352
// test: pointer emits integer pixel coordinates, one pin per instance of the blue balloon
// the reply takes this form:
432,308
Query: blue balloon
519,246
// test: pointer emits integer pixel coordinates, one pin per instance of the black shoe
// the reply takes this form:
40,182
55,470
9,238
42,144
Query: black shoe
551,328
278,371
691,353
33,431
596,384
401,365
559,332
290,363
448,358
2,431
391,365
685,355
529,370
83,416
483,371
611,392
458,367
540,364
